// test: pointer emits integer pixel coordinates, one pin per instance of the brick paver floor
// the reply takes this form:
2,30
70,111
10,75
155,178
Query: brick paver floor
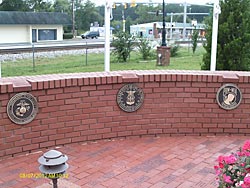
169,162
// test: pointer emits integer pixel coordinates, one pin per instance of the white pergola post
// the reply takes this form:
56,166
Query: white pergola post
216,12
108,7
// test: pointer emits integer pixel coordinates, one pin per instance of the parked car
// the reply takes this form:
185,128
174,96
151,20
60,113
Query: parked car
90,34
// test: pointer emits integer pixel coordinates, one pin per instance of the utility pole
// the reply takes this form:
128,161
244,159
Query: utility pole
73,18
164,25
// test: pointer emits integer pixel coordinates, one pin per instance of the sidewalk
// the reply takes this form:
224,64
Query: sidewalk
169,162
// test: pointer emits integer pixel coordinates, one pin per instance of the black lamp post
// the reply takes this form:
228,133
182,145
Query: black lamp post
164,25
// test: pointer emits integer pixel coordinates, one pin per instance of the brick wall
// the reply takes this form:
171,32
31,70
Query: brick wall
82,107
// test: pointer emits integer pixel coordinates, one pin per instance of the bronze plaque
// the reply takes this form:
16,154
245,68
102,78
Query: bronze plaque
130,98
22,108
229,96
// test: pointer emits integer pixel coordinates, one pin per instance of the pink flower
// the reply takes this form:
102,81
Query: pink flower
246,146
221,160
217,170
247,180
231,159
227,179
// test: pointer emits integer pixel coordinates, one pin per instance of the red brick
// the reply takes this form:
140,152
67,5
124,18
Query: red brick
13,138
72,123
65,130
94,137
57,84
63,141
30,147
71,89
72,134
56,125
88,132
47,144
21,131
105,130
50,109
155,131
97,126
54,91
65,118
79,139
140,132
49,121
88,88
92,81
40,139
51,84
73,101
56,137
13,150
67,107
109,135
64,96
48,132
32,135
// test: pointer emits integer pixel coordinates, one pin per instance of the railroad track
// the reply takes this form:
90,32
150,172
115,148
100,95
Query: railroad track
48,47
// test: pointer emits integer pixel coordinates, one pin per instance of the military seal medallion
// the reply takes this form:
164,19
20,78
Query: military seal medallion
229,96
130,98
22,108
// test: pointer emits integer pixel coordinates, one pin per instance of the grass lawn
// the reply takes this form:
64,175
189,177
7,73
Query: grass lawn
185,60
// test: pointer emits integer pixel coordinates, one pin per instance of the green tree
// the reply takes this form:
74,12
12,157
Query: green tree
40,5
14,5
146,14
194,41
62,6
122,46
86,14
233,46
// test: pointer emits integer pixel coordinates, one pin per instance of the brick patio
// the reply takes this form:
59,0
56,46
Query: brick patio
169,162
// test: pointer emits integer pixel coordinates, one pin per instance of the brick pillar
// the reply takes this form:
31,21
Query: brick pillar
163,55
155,31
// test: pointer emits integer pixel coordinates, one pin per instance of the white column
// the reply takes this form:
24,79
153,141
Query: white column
171,26
216,12
108,7
184,21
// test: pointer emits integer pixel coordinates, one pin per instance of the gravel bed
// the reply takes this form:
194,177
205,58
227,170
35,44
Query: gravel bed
49,54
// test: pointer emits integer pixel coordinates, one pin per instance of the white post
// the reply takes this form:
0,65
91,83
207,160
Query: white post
123,21
184,21
108,7
171,26
216,12
0,69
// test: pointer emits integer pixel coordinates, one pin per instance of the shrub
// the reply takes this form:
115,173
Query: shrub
233,171
144,48
194,40
174,50
67,35
122,46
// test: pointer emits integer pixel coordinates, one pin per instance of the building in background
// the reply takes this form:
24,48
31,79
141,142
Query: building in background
22,27
174,30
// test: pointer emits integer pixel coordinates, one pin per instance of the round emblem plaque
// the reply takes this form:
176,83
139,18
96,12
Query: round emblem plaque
130,98
229,96
22,108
